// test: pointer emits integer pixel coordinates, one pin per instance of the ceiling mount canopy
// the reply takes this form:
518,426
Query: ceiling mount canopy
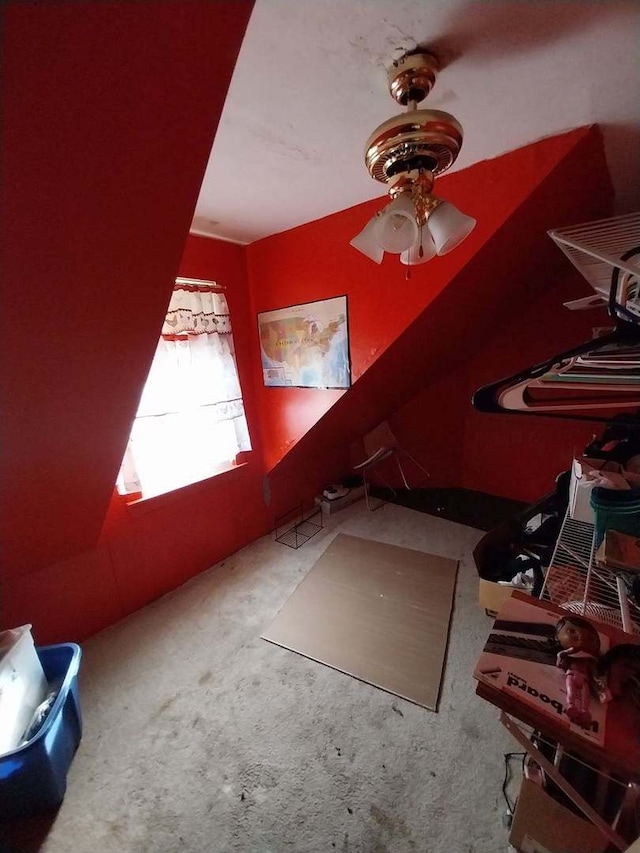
412,76
407,152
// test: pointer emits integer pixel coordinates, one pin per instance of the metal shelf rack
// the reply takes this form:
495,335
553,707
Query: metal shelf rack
575,582
598,249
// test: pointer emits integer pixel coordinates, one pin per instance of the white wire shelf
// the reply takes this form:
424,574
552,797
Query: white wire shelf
596,250
574,582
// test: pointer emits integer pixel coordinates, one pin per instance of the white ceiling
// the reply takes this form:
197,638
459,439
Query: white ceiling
310,86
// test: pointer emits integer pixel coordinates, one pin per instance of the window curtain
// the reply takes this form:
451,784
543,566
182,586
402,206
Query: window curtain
190,422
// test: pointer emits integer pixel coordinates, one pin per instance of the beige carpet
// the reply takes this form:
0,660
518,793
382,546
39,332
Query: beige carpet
200,736
375,611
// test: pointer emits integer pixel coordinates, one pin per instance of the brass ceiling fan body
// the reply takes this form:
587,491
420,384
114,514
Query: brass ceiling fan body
417,140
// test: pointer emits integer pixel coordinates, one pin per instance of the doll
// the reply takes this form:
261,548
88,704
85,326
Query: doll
578,657
621,668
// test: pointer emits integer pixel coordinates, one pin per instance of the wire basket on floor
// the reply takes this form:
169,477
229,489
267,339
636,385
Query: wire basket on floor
295,527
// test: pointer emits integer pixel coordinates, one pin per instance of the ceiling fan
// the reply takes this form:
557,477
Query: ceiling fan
407,152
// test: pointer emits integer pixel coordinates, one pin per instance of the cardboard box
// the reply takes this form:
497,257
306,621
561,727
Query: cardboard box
619,551
542,825
493,595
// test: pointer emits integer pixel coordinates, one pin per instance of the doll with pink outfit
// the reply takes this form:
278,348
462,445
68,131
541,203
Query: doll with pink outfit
578,657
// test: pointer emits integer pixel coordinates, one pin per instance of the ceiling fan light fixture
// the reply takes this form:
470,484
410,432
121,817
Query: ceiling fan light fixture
407,152
396,229
449,227
422,250
367,242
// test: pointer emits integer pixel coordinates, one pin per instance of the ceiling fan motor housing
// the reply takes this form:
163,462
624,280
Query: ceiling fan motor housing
418,140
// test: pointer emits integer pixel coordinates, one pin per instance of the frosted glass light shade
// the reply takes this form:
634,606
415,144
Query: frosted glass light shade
412,257
367,243
449,227
396,229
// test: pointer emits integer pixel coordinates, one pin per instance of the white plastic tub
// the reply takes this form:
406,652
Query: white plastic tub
23,685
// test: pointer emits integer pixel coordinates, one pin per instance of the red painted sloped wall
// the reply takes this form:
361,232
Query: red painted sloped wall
109,113
513,456
407,336
151,547
432,427
520,456
71,585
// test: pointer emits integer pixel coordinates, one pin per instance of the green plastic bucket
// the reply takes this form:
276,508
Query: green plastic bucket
616,509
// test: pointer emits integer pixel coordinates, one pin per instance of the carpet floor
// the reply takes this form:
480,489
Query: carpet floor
200,737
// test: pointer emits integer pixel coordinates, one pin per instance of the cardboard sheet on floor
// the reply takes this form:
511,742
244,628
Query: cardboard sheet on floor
375,611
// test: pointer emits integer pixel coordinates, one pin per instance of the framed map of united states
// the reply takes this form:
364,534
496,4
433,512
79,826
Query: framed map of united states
306,346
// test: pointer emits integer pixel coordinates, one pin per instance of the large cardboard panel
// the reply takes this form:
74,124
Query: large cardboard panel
375,611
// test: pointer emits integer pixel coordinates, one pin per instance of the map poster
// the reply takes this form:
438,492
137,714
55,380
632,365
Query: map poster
306,346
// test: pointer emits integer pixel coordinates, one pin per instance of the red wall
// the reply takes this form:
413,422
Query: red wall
510,455
101,180
531,189
520,456
431,426
414,340
109,113
148,548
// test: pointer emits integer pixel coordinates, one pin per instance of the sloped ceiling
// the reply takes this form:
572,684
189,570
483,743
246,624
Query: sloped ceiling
109,112
310,87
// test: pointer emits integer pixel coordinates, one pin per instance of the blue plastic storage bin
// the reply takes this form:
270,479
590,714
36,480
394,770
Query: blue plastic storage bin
33,778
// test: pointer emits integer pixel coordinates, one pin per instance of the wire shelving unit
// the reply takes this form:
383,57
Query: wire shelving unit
575,581
601,249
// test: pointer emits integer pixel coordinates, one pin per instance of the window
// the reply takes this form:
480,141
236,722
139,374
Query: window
190,422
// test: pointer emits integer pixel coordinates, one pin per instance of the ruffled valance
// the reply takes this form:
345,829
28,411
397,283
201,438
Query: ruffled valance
190,422
197,309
